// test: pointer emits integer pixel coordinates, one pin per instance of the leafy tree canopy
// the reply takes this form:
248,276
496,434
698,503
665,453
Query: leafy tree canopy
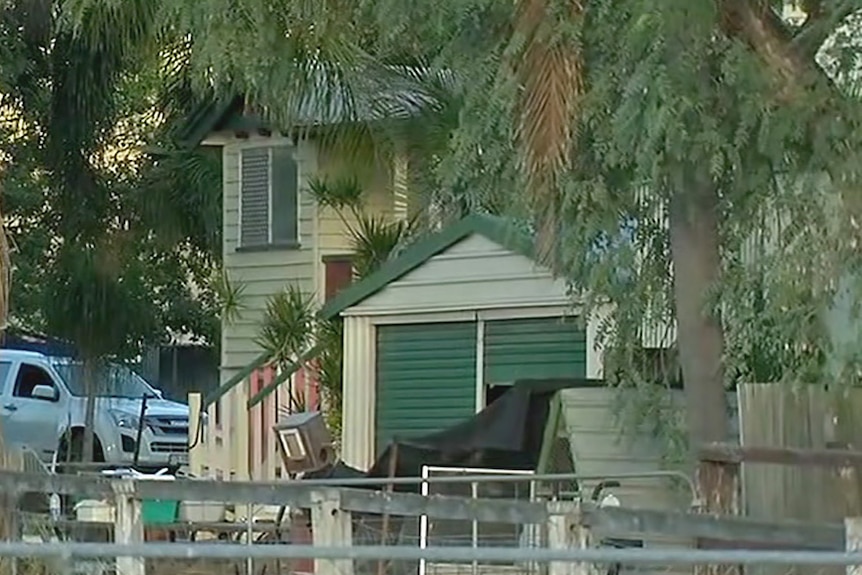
115,229
731,119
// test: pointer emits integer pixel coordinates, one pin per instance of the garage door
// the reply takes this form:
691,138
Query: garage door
534,348
426,378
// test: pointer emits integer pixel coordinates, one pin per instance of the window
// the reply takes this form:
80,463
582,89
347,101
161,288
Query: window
29,376
269,198
112,380
5,366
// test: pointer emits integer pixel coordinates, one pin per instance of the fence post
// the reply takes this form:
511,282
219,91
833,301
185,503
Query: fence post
128,525
853,538
719,491
330,527
567,531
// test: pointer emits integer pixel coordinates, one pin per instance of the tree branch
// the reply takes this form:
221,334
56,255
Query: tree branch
754,22
820,23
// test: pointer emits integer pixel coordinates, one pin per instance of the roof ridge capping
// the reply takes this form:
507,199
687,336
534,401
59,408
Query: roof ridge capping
503,231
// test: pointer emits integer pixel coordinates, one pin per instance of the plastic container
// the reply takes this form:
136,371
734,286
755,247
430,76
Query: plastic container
93,510
202,511
159,512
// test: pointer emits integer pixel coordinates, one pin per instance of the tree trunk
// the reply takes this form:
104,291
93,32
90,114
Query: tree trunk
694,244
90,414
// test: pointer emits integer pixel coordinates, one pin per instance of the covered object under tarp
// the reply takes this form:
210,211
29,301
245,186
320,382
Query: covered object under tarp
507,434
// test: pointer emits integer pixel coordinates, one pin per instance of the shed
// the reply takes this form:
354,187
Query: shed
440,331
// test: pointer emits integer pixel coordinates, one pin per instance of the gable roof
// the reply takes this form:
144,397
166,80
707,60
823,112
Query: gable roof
213,115
498,230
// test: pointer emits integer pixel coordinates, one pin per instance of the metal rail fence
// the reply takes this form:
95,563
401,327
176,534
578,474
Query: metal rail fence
344,528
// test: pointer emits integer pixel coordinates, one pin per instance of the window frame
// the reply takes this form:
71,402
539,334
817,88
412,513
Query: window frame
11,369
271,243
18,373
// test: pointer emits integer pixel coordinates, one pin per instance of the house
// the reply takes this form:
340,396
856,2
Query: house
441,331
274,236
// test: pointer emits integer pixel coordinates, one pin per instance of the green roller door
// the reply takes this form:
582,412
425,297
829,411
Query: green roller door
534,348
426,378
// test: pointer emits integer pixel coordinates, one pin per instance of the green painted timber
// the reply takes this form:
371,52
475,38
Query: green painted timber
534,348
426,378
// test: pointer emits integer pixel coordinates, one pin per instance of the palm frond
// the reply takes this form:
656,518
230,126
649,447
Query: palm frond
127,30
180,193
549,67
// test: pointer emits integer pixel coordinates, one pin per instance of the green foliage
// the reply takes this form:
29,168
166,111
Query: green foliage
343,194
330,363
375,239
229,296
113,247
669,93
84,299
288,325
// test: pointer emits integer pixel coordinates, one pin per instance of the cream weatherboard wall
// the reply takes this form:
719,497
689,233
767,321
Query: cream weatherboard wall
222,451
266,271
476,273
475,280
384,190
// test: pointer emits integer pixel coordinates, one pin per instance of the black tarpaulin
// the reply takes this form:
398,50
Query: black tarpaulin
507,434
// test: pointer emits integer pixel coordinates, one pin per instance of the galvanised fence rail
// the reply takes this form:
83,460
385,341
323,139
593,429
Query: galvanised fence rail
344,528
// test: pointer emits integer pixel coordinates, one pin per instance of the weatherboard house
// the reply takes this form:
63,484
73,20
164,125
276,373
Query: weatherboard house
274,234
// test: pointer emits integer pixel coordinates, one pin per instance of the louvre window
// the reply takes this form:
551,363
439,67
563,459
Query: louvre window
269,198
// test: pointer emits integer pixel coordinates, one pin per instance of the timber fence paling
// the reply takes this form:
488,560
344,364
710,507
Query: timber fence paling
610,521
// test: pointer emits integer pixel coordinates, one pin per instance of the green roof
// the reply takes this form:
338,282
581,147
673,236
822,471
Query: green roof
498,230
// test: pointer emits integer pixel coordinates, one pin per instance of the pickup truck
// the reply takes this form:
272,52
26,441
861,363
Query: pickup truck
43,406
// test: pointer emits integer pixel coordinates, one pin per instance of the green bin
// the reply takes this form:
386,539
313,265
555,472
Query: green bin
159,512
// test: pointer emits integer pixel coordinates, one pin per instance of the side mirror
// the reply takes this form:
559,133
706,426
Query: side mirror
45,392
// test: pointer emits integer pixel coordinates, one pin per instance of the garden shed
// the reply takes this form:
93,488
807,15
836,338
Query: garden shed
443,329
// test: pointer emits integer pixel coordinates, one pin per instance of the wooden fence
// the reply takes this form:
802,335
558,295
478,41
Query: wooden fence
567,524
807,417
791,418
722,466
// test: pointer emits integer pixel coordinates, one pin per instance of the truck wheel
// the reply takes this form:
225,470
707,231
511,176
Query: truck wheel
72,449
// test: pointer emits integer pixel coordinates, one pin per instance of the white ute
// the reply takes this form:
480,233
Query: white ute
43,406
